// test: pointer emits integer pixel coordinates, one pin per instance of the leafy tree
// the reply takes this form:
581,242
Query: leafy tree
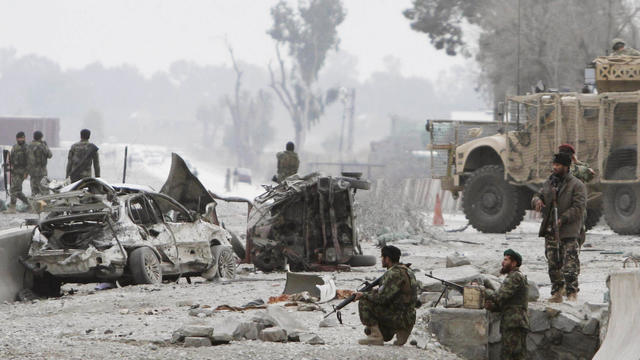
308,33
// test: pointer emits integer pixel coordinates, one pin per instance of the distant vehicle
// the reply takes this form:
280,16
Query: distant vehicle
94,232
498,174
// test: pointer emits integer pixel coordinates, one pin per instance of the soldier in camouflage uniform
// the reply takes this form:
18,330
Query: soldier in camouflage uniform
288,162
81,155
391,309
619,49
563,253
18,167
37,155
511,301
582,172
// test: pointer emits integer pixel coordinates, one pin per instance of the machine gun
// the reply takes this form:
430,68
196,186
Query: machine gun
447,285
366,287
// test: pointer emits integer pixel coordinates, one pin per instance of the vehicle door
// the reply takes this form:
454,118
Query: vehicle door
143,214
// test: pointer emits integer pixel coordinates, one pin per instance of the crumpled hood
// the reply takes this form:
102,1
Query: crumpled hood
183,186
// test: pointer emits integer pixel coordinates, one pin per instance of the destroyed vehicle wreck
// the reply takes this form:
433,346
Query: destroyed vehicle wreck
308,223
93,231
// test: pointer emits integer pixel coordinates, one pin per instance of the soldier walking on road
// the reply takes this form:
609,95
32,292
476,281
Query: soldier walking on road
288,162
569,195
81,155
37,155
511,301
619,49
18,167
392,308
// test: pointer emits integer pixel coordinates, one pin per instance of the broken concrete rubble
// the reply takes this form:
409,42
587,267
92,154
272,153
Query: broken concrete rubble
456,260
273,334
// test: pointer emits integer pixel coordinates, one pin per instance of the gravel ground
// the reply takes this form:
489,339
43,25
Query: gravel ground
137,321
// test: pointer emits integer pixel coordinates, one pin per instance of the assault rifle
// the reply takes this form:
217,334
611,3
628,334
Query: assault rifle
447,285
550,217
366,287
5,170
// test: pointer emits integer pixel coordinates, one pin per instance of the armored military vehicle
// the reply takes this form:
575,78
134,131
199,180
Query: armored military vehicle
498,174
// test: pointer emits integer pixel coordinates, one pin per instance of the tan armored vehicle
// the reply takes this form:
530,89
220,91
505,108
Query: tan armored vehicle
498,174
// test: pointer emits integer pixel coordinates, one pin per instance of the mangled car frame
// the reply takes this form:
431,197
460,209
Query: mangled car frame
93,231
307,223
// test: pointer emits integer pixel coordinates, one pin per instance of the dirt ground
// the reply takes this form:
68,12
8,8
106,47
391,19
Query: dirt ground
137,321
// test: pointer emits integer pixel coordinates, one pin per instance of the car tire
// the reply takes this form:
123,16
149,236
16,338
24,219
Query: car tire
46,285
490,203
145,266
593,217
362,260
237,245
225,260
621,207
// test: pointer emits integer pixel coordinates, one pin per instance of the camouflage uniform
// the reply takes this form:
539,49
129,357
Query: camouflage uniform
393,306
511,301
78,152
624,51
37,154
583,173
288,164
18,162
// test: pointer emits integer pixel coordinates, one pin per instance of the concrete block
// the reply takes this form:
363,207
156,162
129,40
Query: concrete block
580,346
196,331
246,330
534,340
331,321
591,326
464,330
273,334
201,312
456,260
491,282
565,322
196,341
13,244
311,339
494,328
534,292
538,320
284,319
221,339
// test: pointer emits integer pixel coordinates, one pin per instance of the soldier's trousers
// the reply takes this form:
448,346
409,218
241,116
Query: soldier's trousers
388,321
16,188
564,264
36,186
514,344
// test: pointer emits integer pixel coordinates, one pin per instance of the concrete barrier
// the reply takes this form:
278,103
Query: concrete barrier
621,342
13,276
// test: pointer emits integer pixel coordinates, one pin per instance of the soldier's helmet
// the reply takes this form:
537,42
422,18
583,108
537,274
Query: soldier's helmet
615,42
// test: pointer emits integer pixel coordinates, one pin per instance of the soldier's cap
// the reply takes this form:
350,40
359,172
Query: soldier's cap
562,158
568,148
615,42
513,255
20,134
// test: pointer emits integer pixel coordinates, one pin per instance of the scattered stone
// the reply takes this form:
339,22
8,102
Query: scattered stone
246,330
108,331
456,260
124,311
309,307
311,339
191,341
534,292
264,320
153,347
273,334
220,339
185,303
293,337
590,327
196,331
565,322
331,321
551,312
534,340
538,320
201,312
284,319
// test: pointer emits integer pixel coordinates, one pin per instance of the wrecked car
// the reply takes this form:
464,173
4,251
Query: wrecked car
93,231
307,223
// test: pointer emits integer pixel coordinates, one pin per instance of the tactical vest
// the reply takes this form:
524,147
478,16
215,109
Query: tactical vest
19,157
409,291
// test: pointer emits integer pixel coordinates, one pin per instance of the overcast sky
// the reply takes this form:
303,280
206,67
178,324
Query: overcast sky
151,34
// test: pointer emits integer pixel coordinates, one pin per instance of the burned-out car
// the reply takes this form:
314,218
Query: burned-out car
308,223
93,231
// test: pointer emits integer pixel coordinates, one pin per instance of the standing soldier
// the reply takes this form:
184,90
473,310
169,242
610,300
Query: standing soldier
18,164
288,162
37,154
568,195
511,301
619,49
392,308
584,173
81,155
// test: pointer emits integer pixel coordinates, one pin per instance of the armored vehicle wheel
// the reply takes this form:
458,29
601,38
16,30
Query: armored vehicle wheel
593,216
621,207
145,266
490,203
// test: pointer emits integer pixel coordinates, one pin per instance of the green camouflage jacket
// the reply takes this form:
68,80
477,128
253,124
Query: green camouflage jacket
37,154
78,152
581,170
398,289
627,51
511,300
18,158
288,164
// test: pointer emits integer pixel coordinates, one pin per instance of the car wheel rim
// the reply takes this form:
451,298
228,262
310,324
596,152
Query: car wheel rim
152,268
625,201
227,265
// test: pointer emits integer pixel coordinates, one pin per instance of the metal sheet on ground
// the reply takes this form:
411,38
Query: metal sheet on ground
13,244
624,321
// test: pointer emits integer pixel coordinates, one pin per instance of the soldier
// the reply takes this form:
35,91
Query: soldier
81,155
584,173
18,165
511,301
37,154
570,196
391,309
619,49
288,162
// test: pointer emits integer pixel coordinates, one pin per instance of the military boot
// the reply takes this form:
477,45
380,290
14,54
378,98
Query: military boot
573,297
556,298
374,336
11,209
401,337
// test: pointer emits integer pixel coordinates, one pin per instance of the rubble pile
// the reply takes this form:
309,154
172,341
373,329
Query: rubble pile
198,335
